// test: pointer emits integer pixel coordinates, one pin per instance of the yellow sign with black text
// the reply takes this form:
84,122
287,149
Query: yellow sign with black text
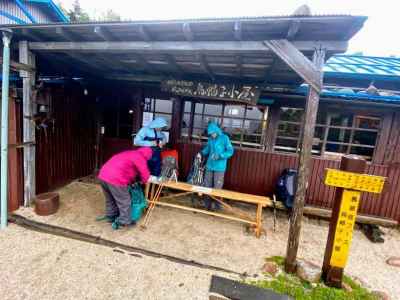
344,228
354,181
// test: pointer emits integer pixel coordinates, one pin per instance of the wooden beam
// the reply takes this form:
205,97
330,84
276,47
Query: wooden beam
16,66
187,32
91,64
30,35
239,65
142,61
304,168
226,47
293,29
204,65
29,110
237,30
297,61
103,33
172,62
65,34
144,33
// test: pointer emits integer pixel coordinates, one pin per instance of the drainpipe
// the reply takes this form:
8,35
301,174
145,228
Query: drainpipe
4,128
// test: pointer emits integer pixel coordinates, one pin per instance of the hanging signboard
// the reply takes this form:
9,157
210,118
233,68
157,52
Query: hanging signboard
231,92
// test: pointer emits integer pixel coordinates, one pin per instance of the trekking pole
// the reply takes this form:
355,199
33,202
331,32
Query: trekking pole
152,205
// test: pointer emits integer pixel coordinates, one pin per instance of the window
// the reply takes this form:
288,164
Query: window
244,124
154,108
336,133
118,120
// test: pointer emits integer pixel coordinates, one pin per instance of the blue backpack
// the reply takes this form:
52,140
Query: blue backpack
286,187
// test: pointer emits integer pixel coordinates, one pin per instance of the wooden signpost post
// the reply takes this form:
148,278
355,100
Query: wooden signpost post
349,182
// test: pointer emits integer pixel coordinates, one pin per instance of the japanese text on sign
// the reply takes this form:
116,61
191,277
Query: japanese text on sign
344,228
354,181
232,92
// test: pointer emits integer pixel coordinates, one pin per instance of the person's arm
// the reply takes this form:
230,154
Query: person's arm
228,149
140,139
142,168
206,150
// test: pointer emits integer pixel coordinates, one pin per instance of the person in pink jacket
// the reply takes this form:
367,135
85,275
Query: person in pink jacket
116,175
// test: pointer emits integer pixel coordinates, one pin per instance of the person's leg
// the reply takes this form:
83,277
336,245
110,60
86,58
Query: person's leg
218,179
123,199
208,182
111,206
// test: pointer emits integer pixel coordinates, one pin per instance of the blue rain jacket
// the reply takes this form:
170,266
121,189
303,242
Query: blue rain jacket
147,135
219,150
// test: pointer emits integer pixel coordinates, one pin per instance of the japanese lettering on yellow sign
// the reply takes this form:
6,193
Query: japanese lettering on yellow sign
344,228
354,181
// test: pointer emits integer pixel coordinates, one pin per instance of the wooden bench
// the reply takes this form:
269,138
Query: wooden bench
216,194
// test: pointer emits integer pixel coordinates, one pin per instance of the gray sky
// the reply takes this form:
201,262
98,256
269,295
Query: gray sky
379,37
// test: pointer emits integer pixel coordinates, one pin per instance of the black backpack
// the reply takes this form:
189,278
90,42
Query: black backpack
286,187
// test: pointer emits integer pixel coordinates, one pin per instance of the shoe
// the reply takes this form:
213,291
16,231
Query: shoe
117,225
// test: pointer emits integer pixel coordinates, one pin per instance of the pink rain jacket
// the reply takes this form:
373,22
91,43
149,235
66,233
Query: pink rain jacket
122,168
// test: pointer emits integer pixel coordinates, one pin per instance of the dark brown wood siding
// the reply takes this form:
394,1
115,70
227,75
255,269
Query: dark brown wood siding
256,172
68,151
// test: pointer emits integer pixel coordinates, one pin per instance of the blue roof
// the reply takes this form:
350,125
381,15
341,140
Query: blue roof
53,8
363,66
349,95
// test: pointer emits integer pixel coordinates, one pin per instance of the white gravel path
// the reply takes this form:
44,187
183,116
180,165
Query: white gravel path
223,243
40,266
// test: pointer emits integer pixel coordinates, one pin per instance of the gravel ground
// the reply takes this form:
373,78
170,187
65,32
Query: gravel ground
40,266
223,243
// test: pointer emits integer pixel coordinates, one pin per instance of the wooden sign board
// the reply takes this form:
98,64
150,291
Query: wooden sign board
354,181
344,228
229,92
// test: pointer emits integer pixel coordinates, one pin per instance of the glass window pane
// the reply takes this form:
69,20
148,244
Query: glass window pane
291,114
365,137
234,111
164,106
148,105
254,112
286,144
188,106
199,108
168,118
186,121
288,129
213,109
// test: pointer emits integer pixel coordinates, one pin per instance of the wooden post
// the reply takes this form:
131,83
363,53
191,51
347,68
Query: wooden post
333,275
272,127
304,167
176,123
29,110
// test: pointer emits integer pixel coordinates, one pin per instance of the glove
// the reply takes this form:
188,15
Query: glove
198,156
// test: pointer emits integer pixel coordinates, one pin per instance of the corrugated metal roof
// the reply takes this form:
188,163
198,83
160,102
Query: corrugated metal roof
363,65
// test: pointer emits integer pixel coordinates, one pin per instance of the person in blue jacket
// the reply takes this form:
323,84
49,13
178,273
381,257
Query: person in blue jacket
152,136
218,149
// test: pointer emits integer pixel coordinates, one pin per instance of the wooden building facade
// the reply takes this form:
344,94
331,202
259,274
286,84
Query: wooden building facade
119,73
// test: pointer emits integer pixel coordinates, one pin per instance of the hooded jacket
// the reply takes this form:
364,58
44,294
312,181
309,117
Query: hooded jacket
122,168
147,135
219,150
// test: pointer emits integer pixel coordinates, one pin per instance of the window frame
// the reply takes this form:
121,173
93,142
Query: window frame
323,153
236,143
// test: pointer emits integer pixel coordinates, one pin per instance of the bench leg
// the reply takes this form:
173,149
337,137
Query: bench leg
258,220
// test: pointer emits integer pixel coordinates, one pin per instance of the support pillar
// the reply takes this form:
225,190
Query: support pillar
304,166
4,129
29,110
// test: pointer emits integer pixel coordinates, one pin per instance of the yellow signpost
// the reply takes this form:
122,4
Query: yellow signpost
344,213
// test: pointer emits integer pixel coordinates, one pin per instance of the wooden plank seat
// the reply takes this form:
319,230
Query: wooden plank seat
216,194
